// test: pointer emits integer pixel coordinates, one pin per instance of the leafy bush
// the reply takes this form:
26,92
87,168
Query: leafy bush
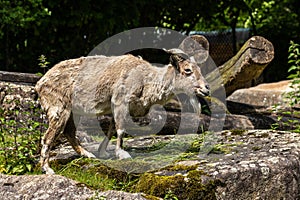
21,126
292,97
20,135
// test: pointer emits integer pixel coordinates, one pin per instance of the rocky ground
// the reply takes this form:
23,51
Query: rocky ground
254,164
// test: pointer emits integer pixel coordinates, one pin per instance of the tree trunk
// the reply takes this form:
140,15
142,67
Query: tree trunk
242,70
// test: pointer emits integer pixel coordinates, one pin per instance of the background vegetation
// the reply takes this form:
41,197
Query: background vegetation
291,97
63,29
22,124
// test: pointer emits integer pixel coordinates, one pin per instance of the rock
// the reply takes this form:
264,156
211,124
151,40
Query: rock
258,99
84,137
263,104
54,187
194,123
42,187
19,97
263,165
254,164
117,195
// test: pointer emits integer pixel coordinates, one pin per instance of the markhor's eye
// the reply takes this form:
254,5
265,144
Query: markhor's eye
188,71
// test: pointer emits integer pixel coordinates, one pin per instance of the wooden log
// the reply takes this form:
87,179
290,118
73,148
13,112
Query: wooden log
17,77
242,70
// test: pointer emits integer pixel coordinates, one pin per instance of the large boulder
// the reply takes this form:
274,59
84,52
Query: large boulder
42,187
264,104
261,98
54,187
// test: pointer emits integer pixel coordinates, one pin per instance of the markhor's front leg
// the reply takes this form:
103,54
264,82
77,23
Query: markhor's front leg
121,153
119,116
120,110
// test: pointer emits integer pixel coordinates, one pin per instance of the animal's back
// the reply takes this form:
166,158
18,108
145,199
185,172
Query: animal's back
84,82
95,87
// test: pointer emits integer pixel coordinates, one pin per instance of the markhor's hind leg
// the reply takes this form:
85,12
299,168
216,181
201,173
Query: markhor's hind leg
70,134
102,153
57,124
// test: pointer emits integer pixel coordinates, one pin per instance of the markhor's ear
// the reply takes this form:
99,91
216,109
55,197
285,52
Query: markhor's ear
196,46
177,52
176,55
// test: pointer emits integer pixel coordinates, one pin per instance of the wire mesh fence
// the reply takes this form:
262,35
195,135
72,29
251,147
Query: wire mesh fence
221,43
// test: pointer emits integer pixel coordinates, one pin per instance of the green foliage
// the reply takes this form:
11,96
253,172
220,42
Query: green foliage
20,14
43,63
21,22
19,139
97,175
294,60
265,13
222,16
31,26
170,196
276,20
21,126
293,96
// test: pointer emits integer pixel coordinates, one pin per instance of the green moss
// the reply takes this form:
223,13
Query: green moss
196,145
147,149
221,149
263,135
225,148
237,131
132,166
180,167
195,189
197,142
159,185
256,148
181,187
93,173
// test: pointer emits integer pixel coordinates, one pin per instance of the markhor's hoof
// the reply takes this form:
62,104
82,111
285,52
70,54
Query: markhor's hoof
122,154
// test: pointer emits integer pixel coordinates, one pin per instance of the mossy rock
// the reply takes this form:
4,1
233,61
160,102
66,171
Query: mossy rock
190,186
